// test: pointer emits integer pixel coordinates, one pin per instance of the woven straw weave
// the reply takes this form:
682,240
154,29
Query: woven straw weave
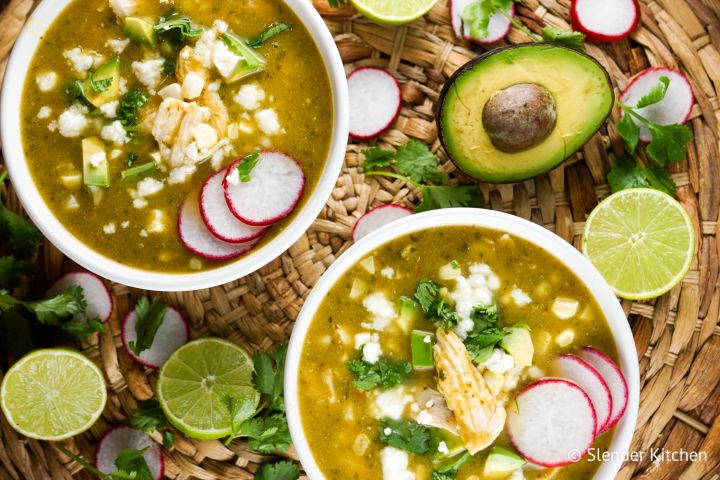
677,336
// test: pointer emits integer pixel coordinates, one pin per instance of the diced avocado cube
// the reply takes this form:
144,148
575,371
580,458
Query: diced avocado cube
250,61
421,345
95,163
140,30
409,311
444,445
94,88
501,462
518,343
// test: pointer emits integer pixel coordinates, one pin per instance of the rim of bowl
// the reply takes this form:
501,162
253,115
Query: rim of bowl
10,120
493,220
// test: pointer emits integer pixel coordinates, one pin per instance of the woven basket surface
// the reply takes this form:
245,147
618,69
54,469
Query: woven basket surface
677,336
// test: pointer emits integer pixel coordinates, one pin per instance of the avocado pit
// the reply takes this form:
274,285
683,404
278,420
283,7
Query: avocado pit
519,117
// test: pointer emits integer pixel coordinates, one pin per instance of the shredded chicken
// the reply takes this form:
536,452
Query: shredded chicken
480,418
432,402
167,120
194,116
189,61
219,117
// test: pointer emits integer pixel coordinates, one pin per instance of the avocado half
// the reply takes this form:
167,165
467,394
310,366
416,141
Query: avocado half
583,99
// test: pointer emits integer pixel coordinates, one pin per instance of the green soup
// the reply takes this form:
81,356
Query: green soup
342,421
133,220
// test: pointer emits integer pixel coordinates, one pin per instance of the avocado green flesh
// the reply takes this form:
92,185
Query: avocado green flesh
110,70
582,93
140,30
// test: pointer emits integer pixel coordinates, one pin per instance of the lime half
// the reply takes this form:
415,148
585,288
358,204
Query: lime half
642,241
53,394
194,378
393,12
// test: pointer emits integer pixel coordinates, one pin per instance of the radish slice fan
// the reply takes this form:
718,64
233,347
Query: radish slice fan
128,438
375,101
613,378
551,423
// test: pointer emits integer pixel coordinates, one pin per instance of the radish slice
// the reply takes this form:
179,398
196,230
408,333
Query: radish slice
124,438
498,27
586,377
378,217
276,184
198,239
552,423
96,293
172,334
375,102
217,215
674,108
605,20
613,378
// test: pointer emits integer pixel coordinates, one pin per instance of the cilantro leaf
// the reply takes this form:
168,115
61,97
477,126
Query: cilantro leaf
563,38
484,317
668,142
449,472
377,157
267,434
278,471
656,95
416,161
78,330
11,269
629,131
149,417
131,464
130,105
239,411
625,174
426,294
382,374
269,381
436,197
132,158
481,345
150,315
176,29
477,14
405,435
100,86
7,301
75,93
170,66
64,305
247,164
435,308
24,236
275,29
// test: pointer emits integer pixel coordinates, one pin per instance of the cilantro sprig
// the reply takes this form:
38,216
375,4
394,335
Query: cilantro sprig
150,316
405,435
149,417
434,306
667,146
275,29
100,86
247,165
176,29
278,471
384,373
417,165
130,465
129,108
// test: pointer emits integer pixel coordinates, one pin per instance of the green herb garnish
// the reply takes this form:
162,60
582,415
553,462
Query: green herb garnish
275,29
626,173
150,315
416,164
100,86
247,164
384,373
434,306
75,93
23,236
284,470
134,172
405,435
130,105
130,464
149,417
132,158
449,472
176,29
668,141
564,38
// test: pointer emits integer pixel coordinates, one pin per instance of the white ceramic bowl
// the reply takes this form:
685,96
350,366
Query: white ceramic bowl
516,226
10,120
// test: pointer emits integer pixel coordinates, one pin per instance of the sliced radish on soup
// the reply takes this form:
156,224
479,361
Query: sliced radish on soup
375,101
605,20
461,18
217,215
614,379
676,107
586,377
124,438
552,423
96,293
261,190
171,335
196,237
378,217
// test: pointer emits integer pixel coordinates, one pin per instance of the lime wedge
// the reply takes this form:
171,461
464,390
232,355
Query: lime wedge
53,394
194,378
642,241
393,12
